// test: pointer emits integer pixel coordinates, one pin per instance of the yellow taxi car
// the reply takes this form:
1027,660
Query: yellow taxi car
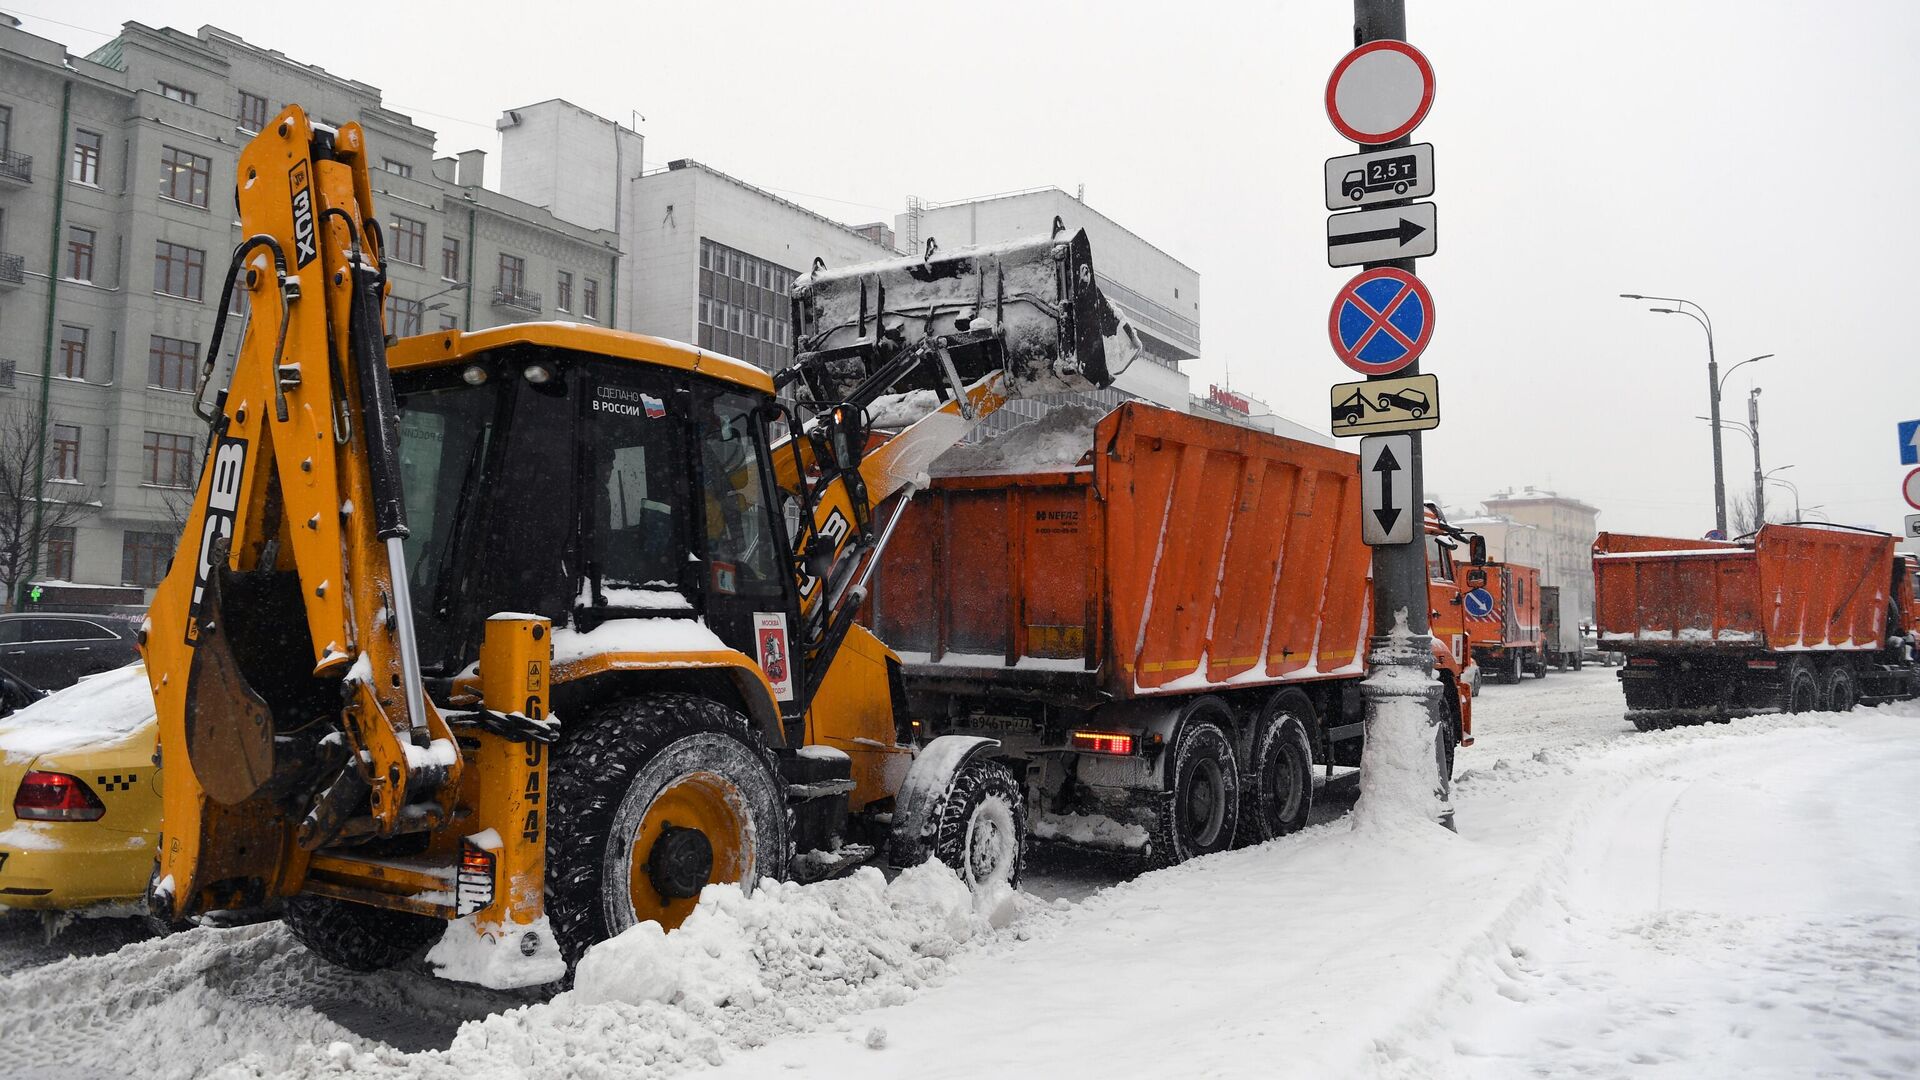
80,795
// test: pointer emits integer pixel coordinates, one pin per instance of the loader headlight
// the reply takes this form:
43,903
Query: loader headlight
538,374
474,375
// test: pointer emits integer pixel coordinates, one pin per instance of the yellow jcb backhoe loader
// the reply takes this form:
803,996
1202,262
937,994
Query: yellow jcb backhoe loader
515,638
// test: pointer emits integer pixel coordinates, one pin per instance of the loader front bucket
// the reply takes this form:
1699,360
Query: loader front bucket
1030,309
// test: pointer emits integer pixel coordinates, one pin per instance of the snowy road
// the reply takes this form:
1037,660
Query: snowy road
1740,899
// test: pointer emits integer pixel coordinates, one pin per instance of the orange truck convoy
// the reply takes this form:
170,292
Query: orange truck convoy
1166,637
1797,618
1502,605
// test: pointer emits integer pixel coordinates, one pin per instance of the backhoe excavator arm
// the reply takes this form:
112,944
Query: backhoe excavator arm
285,612
942,341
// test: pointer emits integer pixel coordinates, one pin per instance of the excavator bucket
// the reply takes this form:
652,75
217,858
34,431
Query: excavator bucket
1031,309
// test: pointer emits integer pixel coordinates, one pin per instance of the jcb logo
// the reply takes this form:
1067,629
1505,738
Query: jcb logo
830,535
227,472
305,246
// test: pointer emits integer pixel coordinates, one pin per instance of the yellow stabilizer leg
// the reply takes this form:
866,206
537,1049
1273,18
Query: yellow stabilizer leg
502,938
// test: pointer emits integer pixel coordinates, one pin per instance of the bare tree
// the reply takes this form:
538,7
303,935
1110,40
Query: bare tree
1743,518
23,534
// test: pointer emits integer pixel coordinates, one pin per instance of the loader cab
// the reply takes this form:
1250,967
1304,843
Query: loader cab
644,485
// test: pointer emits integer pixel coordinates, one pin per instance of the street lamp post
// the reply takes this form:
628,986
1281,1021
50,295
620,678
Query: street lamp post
1789,485
1713,391
1759,481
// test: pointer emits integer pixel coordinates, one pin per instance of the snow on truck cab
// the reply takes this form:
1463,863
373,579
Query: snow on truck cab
512,639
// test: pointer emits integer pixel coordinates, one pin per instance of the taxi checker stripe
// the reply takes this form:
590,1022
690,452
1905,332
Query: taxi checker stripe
1378,318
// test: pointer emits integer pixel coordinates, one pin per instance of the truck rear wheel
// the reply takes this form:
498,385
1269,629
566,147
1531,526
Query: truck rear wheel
1279,790
1803,689
653,798
980,828
1540,664
355,936
1841,691
1516,667
1200,809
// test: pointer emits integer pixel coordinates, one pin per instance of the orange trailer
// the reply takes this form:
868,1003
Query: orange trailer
1502,602
1169,634
1795,618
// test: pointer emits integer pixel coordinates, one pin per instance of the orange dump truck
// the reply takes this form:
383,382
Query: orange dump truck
1167,633
1502,605
1795,619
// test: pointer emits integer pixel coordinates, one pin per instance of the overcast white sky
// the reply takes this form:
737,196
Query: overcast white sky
1757,157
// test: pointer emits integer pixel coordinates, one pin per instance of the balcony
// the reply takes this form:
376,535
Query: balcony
6,374
516,299
16,166
13,270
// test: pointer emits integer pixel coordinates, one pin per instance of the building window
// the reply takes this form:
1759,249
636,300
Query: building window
170,363
449,321
590,299
178,270
253,112
169,459
450,258
409,244
73,352
144,557
742,301
85,167
397,168
65,460
564,290
79,253
6,128
175,93
513,273
403,316
184,176
60,553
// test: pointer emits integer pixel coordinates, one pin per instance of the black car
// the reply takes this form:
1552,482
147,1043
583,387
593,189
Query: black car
50,651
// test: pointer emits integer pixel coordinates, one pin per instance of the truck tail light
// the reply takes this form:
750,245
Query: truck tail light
1102,742
1763,665
473,882
51,796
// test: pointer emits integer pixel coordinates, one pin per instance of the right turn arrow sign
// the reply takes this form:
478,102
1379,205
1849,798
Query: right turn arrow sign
1386,489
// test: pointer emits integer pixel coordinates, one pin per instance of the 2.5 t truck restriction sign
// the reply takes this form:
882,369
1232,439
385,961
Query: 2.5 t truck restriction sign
1394,174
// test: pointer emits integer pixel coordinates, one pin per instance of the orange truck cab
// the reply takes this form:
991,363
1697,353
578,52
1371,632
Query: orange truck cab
1502,606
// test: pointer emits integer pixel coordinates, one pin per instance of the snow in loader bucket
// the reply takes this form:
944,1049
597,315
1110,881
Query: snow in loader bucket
1031,308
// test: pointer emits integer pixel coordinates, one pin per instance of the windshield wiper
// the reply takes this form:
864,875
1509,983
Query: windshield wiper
469,484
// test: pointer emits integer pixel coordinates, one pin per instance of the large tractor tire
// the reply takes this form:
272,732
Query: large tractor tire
1200,809
653,798
980,828
358,937
1278,795
1840,690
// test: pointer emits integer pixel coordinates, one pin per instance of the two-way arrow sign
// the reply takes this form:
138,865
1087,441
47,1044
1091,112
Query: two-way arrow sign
1387,513
1372,236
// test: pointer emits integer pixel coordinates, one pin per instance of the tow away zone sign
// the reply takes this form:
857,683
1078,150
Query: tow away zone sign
1377,406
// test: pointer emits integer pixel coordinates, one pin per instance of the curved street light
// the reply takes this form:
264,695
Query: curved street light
1699,314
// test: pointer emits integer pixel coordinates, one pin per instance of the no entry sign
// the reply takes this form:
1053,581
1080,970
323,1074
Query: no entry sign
1379,92
1381,321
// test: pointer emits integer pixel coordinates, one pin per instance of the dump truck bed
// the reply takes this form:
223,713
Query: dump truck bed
1791,588
1184,555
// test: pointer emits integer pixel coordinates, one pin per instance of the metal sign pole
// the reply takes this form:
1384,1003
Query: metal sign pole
1399,570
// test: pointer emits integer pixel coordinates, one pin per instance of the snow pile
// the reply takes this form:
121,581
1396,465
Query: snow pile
1057,440
744,969
899,410
464,954
98,712
1400,783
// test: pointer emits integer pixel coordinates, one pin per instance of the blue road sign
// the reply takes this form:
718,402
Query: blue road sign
1478,602
1910,442
1381,321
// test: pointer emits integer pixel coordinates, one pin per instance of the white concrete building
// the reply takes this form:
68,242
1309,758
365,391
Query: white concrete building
1561,531
705,258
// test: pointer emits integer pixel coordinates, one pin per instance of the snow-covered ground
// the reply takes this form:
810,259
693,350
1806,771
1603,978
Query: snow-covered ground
1729,900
